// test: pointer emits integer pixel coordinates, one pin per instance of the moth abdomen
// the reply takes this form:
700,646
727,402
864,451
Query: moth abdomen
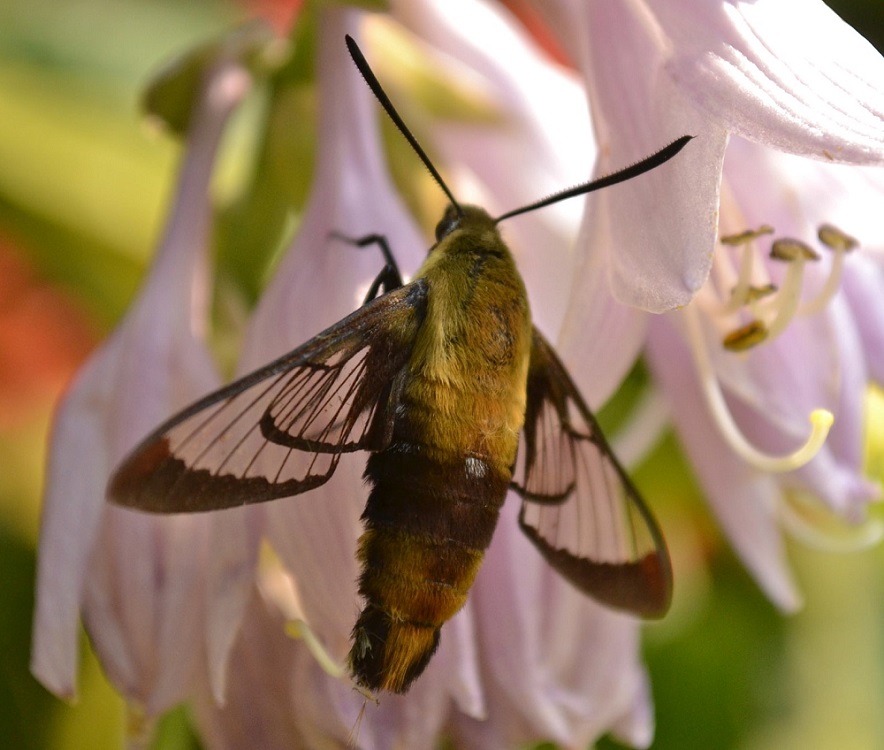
427,525
453,500
406,604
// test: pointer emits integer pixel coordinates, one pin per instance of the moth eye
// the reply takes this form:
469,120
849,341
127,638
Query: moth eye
447,224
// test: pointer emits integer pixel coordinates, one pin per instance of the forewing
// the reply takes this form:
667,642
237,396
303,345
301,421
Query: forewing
580,508
280,430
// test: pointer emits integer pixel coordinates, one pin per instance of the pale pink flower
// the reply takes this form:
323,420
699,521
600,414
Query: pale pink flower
146,586
719,70
823,359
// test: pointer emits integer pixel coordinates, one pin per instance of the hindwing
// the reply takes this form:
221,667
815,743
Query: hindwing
580,509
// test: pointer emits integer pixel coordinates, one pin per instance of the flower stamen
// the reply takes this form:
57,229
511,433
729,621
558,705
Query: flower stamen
820,419
746,236
742,291
756,293
775,308
841,244
745,337
784,306
300,630
278,587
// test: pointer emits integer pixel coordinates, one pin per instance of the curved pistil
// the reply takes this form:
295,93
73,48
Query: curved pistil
820,419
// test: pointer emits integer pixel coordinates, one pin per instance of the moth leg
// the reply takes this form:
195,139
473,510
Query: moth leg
389,278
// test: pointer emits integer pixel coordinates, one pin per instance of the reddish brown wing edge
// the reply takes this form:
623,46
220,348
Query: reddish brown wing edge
548,475
280,430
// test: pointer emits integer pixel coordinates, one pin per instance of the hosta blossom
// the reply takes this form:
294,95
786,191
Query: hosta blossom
755,403
146,585
730,71
189,607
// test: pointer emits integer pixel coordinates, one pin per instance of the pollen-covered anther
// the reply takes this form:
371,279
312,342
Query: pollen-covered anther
834,239
755,293
791,250
745,337
747,236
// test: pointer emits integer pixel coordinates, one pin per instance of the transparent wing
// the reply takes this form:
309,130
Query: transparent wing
580,508
280,430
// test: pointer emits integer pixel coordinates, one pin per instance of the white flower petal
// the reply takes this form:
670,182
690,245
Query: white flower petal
459,651
795,194
787,73
72,510
559,666
146,643
315,537
109,408
258,711
662,224
636,727
154,363
601,337
836,475
229,571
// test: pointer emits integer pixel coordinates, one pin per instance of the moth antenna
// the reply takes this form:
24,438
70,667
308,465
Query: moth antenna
645,165
381,95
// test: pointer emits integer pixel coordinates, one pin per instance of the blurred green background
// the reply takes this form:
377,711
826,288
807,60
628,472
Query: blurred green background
83,187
